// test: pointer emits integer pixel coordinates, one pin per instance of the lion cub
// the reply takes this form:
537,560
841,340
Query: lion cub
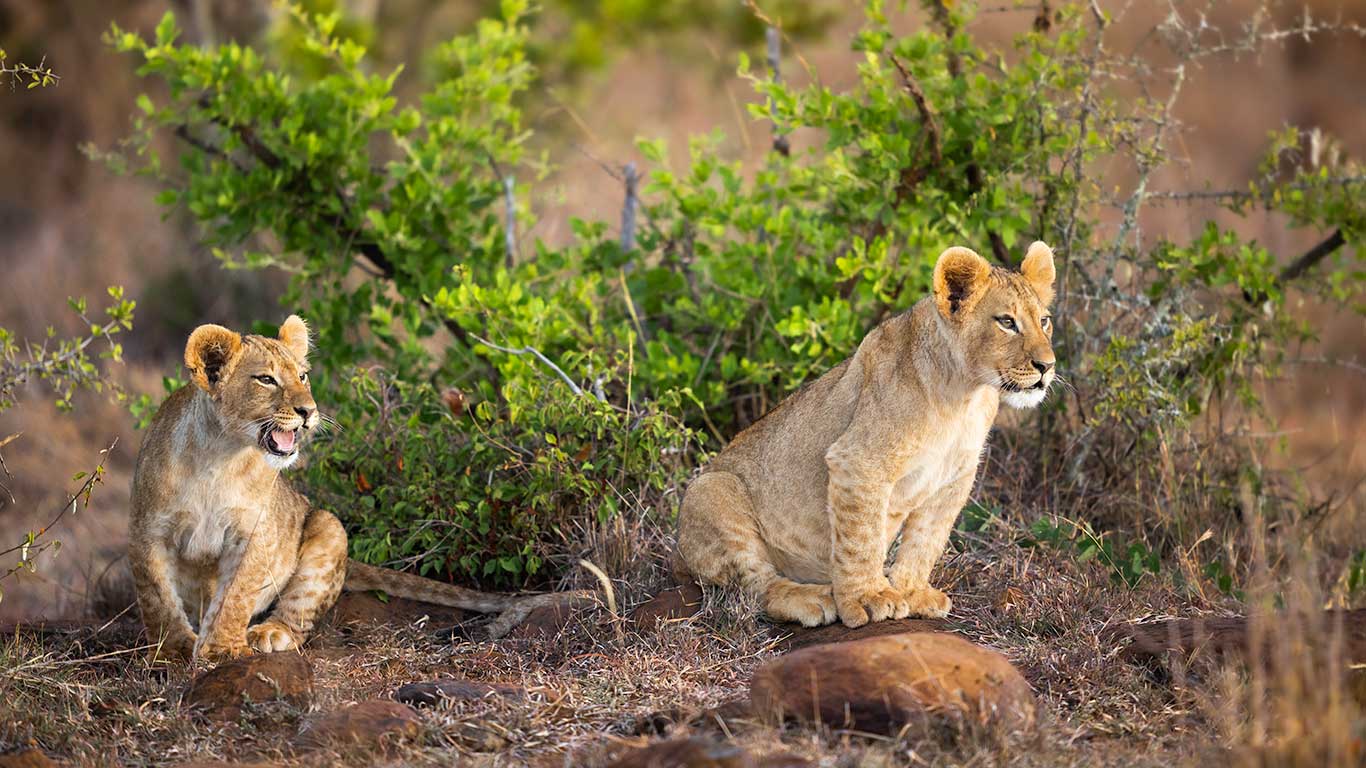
217,537
802,507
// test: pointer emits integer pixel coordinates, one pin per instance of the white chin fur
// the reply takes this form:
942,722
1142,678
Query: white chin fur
1028,398
281,462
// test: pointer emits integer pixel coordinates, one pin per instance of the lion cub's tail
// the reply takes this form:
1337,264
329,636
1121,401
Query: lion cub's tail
512,609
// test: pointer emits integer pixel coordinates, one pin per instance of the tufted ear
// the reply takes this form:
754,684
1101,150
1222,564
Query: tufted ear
960,279
210,353
1037,268
294,334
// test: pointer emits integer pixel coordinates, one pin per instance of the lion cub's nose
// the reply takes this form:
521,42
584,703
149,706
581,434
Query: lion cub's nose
304,412
1043,367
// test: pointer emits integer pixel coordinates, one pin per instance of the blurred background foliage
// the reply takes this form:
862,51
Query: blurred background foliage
532,344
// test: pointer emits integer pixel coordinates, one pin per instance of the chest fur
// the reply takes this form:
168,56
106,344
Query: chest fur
945,454
213,506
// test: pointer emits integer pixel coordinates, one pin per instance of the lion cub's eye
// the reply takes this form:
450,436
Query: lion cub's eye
268,380
303,376
1045,322
1007,322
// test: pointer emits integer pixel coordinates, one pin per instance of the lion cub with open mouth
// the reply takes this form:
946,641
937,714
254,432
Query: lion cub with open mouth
801,508
217,537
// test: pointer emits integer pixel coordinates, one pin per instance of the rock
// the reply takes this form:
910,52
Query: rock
220,692
1231,635
670,605
794,636
1284,641
28,758
720,717
879,684
699,752
544,622
374,724
225,764
363,609
436,691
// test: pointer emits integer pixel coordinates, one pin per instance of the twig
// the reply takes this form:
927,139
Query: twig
628,208
537,353
949,28
70,506
1297,268
510,216
773,39
914,174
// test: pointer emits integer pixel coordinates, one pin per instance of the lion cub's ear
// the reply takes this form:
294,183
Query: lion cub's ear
1037,268
209,353
294,334
960,278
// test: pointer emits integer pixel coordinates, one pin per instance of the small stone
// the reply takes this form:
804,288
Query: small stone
701,752
220,692
794,636
28,758
880,684
374,724
670,605
436,691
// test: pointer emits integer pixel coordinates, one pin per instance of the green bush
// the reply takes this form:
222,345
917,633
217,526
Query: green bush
742,282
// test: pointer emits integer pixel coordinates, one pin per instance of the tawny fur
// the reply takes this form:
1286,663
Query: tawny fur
217,537
802,508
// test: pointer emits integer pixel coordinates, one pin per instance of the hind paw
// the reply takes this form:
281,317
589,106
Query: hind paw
811,605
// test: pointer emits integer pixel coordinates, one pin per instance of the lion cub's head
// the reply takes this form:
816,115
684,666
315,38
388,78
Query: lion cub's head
1001,317
258,384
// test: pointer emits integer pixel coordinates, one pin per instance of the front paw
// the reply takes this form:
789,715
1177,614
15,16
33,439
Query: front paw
877,601
926,602
178,647
270,636
811,605
216,651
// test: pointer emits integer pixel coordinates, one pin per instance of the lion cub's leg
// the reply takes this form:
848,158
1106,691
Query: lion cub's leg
923,538
721,544
167,626
311,590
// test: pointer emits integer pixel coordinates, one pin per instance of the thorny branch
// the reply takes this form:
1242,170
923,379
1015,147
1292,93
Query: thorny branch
30,546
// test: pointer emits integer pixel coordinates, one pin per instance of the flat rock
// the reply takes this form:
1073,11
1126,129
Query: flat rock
1232,636
376,723
880,684
701,752
28,758
794,636
436,691
363,609
680,602
220,692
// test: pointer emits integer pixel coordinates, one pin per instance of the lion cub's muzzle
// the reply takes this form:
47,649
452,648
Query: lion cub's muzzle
281,436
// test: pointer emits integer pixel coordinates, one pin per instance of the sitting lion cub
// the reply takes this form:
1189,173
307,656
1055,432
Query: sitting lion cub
801,508
217,537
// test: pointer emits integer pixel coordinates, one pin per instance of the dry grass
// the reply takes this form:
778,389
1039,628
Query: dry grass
90,695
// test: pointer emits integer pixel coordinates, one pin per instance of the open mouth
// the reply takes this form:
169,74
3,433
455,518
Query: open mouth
280,442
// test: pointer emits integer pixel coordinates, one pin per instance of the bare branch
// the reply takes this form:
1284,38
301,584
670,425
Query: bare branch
537,353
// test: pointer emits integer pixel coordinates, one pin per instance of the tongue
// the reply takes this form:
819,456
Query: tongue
283,440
